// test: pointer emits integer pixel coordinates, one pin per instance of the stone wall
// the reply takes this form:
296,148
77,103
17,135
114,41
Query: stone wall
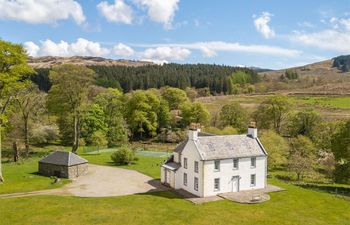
52,170
63,171
78,170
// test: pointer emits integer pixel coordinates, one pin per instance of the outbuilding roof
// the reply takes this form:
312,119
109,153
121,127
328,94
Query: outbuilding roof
62,158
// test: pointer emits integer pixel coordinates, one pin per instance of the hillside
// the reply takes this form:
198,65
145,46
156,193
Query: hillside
323,68
49,61
320,78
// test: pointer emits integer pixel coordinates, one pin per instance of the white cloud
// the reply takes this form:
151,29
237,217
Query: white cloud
81,47
119,12
262,25
336,38
210,49
166,53
160,11
41,11
123,50
32,48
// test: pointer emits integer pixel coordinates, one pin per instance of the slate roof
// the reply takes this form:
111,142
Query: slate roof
182,144
170,164
229,146
62,158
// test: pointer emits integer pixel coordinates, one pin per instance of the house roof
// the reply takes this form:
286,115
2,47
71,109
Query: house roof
170,164
182,144
62,158
229,146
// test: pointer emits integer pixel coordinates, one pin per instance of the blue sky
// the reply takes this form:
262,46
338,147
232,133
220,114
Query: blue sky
269,34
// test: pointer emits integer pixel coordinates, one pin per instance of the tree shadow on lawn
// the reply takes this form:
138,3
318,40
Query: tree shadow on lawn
329,188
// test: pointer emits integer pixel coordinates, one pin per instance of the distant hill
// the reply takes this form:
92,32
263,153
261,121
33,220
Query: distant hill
323,68
49,61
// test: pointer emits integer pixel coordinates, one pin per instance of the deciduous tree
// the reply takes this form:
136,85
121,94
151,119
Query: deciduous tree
68,95
341,150
234,115
29,102
13,73
277,148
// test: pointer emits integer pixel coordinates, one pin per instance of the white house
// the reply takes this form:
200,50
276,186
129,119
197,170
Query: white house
207,165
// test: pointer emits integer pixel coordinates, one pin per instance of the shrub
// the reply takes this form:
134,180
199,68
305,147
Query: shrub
43,134
123,156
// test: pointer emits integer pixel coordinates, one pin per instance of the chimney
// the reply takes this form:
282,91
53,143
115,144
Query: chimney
252,130
193,131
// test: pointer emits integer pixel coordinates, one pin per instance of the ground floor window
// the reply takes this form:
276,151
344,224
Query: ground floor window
196,184
216,184
185,179
252,180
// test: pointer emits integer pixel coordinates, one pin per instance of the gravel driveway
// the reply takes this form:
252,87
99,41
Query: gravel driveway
102,181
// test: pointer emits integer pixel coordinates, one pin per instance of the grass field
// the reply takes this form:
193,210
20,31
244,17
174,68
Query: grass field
297,205
330,108
23,176
294,206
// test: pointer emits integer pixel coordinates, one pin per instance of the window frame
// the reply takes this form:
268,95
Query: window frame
217,184
254,183
185,179
233,162
216,169
195,183
185,163
196,166
253,159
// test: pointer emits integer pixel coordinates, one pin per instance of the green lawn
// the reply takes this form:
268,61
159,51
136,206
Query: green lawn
294,206
147,165
23,176
297,205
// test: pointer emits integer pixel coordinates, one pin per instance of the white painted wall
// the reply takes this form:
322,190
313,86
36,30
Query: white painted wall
226,172
190,152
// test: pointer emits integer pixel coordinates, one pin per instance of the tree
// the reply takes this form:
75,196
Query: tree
302,156
273,112
98,139
175,97
112,104
14,72
234,115
124,155
142,113
277,148
68,94
194,113
30,102
304,123
340,145
93,121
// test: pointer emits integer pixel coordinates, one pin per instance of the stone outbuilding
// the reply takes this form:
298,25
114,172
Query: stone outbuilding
63,164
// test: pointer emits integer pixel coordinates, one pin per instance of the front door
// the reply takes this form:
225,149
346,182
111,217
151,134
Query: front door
235,184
